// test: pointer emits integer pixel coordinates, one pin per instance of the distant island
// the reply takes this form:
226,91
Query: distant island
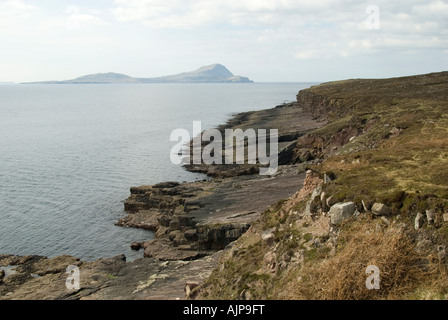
215,73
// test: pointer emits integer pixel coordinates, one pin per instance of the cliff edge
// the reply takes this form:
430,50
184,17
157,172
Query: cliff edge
371,220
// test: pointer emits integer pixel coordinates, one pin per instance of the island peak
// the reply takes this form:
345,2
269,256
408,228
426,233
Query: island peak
214,73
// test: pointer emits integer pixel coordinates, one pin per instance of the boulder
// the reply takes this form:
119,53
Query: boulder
380,209
136,246
341,211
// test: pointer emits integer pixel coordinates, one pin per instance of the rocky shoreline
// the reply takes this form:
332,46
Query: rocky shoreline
193,223
195,218
355,187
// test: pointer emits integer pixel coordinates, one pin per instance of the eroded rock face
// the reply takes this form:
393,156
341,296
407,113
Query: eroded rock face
203,216
341,211
219,235
167,196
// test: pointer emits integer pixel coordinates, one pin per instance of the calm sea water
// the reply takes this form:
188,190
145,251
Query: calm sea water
69,153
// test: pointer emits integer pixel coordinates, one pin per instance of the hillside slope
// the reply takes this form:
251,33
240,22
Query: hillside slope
376,194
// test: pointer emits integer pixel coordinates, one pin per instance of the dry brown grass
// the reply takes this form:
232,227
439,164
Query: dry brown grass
343,276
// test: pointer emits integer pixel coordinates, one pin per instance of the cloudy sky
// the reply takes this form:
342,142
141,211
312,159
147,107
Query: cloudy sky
266,40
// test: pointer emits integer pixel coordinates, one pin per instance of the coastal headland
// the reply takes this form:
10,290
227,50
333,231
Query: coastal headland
362,181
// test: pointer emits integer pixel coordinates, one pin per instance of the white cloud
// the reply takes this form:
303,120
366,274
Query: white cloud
15,8
179,34
310,25
403,26
12,15
76,18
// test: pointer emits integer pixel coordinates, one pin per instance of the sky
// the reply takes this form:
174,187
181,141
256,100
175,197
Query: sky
265,40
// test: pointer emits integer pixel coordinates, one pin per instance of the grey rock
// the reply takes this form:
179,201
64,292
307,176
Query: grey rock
136,246
380,209
341,211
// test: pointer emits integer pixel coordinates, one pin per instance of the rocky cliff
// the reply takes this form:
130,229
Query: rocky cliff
375,198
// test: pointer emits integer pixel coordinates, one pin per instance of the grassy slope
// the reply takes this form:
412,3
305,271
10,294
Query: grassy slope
398,156
412,161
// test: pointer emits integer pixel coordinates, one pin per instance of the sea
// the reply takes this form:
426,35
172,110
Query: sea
70,153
